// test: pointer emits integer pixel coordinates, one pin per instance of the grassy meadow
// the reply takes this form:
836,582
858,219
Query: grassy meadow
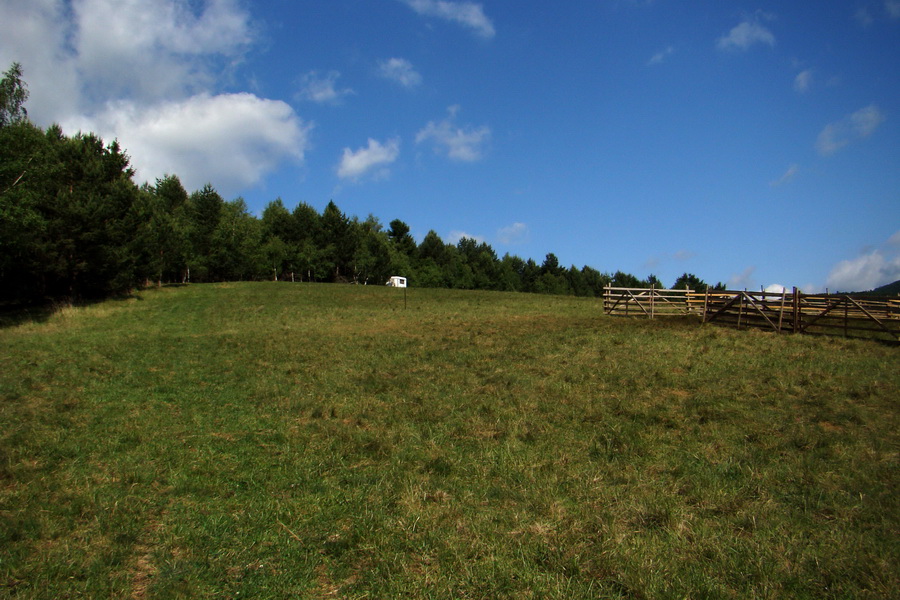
273,440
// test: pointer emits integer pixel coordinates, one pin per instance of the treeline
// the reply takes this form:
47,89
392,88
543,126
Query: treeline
74,225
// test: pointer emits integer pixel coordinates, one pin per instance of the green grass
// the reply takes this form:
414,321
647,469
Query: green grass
319,441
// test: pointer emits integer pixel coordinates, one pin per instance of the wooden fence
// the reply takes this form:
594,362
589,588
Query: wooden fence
649,302
794,312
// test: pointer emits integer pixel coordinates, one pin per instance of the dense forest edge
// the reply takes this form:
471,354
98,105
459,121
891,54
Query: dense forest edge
75,226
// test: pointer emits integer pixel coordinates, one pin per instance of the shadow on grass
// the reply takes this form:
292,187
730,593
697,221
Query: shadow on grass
14,314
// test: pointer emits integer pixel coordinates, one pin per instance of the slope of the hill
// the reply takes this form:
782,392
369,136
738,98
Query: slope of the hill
274,440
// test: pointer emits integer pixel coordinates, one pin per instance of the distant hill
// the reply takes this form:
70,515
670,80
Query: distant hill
891,289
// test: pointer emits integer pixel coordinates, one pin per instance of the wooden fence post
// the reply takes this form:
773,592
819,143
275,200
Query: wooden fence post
795,310
706,304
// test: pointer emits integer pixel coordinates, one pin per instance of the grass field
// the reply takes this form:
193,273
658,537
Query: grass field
324,441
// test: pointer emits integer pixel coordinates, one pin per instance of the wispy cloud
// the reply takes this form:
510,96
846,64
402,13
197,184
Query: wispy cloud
517,233
322,89
370,159
787,177
467,14
679,256
854,127
742,280
745,35
863,17
399,70
465,144
803,81
661,56
454,236
892,7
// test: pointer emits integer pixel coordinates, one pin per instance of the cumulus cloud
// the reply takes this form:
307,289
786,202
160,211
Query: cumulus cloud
854,127
467,14
370,159
745,35
31,33
865,272
869,270
231,140
517,233
661,56
150,49
465,144
322,89
803,81
147,72
787,177
399,70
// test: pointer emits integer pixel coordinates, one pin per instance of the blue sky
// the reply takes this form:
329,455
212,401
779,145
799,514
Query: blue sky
754,143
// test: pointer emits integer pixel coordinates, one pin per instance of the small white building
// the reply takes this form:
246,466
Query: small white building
396,281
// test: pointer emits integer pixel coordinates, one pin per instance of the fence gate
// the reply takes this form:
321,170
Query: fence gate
649,302
796,312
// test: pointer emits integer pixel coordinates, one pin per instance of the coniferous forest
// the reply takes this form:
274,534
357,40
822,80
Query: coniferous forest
74,225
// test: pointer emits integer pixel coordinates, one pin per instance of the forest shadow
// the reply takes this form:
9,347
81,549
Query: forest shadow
15,314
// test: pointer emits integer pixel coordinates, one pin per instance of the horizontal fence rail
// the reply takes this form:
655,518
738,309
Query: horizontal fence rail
794,312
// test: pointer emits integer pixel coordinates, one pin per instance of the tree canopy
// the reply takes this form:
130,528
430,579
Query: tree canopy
73,224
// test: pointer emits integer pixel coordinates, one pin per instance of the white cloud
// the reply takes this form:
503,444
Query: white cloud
854,127
683,255
864,272
661,56
230,140
322,89
787,177
375,157
869,270
400,71
803,81
150,49
517,233
31,33
464,144
467,14
745,35
146,72
775,288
